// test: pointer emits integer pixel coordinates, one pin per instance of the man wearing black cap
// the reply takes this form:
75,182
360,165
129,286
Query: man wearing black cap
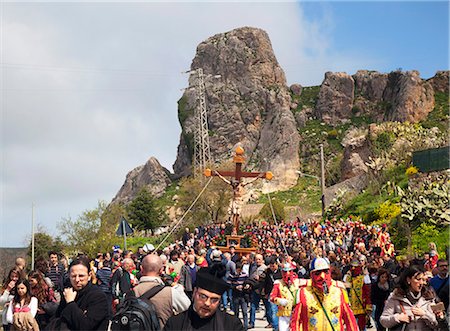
204,313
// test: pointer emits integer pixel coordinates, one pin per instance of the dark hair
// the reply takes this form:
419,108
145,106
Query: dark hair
441,261
383,271
107,264
17,297
402,285
83,260
41,264
239,265
273,260
19,273
336,273
53,253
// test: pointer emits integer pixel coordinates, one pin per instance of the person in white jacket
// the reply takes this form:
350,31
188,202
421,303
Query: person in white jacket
8,294
23,308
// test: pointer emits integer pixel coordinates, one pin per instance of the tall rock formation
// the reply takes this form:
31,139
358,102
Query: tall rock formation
440,81
249,104
407,97
150,175
397,96
335,102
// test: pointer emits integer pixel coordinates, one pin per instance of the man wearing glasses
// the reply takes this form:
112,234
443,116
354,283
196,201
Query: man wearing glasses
204,313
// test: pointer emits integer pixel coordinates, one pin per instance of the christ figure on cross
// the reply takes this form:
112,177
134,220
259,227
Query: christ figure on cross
237,185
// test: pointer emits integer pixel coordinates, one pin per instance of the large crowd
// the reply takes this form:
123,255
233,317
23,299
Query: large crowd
334,275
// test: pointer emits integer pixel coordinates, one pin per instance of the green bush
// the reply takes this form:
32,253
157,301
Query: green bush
332,134
278,209
383,142
427,233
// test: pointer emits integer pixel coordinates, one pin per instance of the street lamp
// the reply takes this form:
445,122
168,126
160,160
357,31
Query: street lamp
322,188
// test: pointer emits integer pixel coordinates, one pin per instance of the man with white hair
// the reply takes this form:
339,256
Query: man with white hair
122,280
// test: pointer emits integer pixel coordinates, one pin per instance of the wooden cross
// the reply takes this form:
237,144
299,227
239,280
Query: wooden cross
236,184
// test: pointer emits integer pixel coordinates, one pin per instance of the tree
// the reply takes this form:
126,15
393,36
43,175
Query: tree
212,204
278,208
110,219
82,234
143,213
44,243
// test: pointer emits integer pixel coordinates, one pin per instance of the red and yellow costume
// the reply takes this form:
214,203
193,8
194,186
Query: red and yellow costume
282,291
309,315
359,293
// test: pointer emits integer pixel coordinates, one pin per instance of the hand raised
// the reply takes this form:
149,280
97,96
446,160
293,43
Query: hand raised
69,294
11,285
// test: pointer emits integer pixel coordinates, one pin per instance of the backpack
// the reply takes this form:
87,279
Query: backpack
137,313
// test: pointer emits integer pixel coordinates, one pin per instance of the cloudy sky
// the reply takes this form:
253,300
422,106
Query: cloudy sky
89,90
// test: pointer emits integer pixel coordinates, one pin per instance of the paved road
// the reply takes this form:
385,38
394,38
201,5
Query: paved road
261,322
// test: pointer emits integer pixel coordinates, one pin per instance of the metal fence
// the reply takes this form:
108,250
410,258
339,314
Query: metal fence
429,160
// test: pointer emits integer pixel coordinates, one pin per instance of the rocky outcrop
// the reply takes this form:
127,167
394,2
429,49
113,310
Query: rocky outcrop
356,154
440,81
369,88
335,102
407,97
296,89
397,96
248,104
151,175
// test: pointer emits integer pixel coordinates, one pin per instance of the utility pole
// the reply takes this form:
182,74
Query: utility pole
202,151
322,181
32,236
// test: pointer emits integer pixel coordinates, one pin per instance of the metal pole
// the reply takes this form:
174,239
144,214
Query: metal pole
124,235
32,236
322,181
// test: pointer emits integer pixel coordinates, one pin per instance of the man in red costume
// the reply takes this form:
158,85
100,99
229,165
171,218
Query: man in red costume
322,303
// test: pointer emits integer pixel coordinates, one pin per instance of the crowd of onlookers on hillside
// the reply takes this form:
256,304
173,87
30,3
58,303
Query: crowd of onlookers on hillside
84,293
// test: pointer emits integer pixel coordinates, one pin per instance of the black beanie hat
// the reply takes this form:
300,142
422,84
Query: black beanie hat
210,279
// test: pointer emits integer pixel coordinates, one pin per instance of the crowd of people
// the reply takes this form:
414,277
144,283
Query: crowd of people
335,275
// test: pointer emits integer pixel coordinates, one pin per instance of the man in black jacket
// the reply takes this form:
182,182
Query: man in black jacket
204,313
83,306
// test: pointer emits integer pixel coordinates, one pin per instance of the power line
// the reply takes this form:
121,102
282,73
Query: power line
41,67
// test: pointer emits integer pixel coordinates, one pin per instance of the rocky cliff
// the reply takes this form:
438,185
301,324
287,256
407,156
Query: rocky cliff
397,96
249,104
150,175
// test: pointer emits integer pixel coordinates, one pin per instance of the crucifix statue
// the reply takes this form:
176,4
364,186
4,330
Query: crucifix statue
237,185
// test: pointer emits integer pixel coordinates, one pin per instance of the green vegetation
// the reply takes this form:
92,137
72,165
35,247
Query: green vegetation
183,112
439,117
166,200
92,231
428,232
143,213
305,194
44,243
278,210
307,99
